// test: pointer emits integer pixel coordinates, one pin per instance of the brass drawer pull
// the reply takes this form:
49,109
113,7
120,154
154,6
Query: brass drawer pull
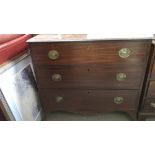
59,99
121,76
53,55
124,52
152,104
118,100
56,77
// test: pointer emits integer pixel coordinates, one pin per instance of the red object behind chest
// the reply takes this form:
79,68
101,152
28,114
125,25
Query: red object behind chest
12,45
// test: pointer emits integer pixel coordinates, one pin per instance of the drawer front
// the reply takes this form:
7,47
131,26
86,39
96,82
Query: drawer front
91,77
89,100
151,90
105,52
149,104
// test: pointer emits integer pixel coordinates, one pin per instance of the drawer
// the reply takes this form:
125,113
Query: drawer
151,89
91,76
149,104
89,100
105,52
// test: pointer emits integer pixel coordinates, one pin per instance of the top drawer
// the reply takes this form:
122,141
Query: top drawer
105,52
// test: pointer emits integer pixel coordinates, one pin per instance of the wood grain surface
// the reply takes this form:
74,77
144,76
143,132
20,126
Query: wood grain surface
88,100
88,70
91,76
105,52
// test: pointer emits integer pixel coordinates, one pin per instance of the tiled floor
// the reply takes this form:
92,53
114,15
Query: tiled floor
114,116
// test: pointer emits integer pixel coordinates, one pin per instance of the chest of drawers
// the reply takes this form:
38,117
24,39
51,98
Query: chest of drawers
147,107
86,75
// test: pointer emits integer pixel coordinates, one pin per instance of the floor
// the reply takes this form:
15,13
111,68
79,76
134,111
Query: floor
113,116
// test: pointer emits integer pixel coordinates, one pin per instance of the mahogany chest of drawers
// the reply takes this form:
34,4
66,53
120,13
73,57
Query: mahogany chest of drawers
90,75
147,107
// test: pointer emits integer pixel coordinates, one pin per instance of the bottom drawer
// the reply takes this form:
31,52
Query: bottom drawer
89,100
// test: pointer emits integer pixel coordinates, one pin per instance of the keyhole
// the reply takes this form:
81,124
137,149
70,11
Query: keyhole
88,92
88,70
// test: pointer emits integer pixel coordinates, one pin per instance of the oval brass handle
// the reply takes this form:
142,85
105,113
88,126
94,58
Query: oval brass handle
53,54
118,100
124,52
152,104
56,77
59,99
121,76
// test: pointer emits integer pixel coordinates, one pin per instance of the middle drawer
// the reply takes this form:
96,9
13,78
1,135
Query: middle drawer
90,76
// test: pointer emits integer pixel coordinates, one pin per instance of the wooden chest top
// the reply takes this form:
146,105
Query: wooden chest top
78,37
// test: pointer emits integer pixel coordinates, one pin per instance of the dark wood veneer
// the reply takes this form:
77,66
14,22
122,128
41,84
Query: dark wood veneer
151,89
148,94
90,53
89,100
91,76
88,70
153,72
147,105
